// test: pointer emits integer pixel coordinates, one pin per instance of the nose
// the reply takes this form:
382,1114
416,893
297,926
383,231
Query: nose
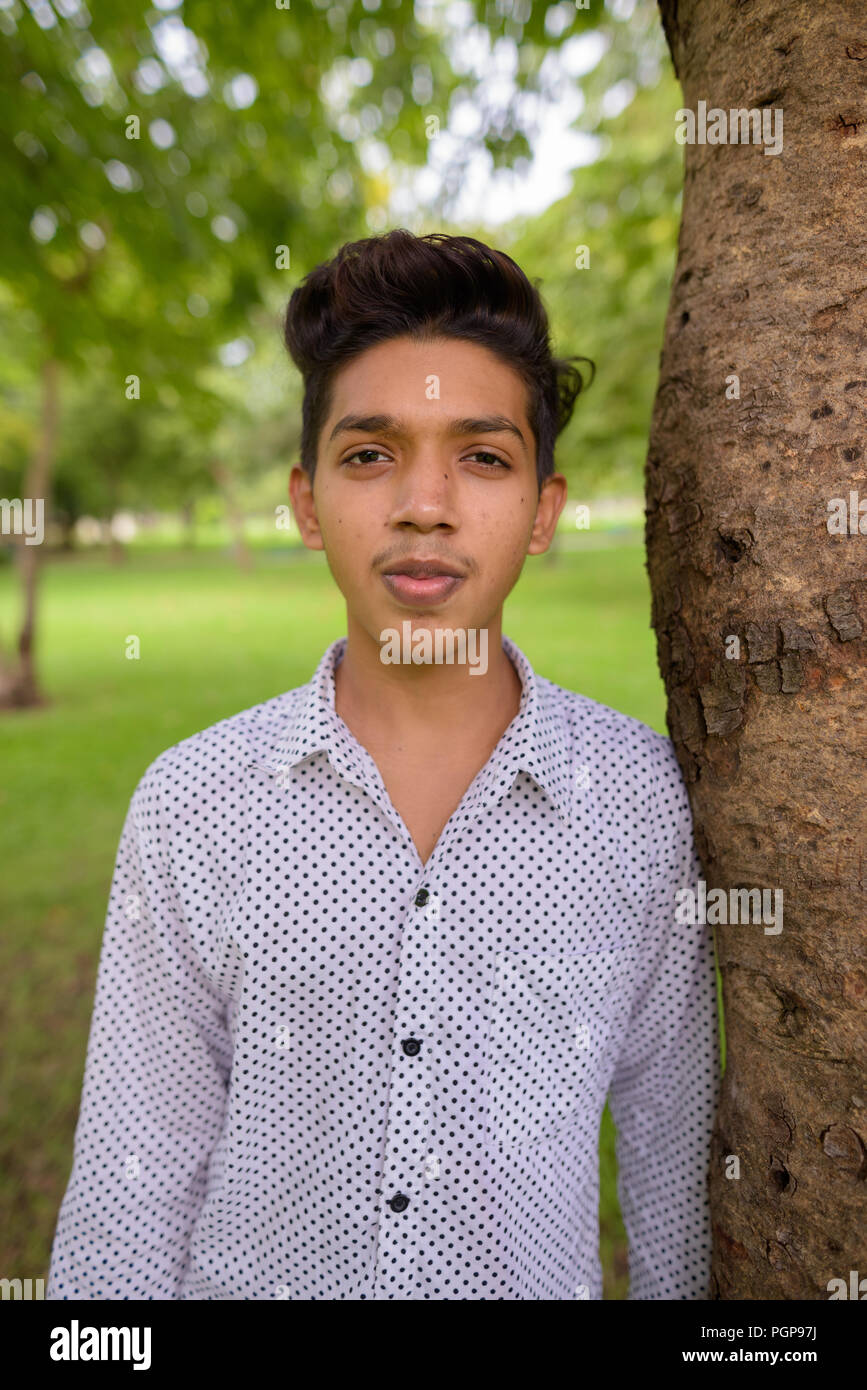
425,492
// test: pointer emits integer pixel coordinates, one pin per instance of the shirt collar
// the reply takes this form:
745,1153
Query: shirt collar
537,741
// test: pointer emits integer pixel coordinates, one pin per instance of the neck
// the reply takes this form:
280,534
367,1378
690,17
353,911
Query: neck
429,704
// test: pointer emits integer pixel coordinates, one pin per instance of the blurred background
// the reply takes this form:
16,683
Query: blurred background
170,171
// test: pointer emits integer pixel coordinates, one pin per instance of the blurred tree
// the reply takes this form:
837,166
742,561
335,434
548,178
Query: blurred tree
162,167
111,455
606,255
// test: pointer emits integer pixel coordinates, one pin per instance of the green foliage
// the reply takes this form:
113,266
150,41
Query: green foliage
247,123
166,168
625,209
290,128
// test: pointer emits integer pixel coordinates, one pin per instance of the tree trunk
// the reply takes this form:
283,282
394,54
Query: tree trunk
19,686
188,523
759,611
116,547
224,482
67,530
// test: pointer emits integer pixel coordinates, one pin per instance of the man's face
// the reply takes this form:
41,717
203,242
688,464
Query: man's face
427,455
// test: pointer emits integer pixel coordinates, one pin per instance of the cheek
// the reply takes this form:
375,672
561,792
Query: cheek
505,532
343,544
504,556
337,521
349,546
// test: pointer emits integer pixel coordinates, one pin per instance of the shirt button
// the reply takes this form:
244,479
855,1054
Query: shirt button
421,897
399,1203
411,1046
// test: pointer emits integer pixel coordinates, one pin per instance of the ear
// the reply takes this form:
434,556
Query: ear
304,507
552,500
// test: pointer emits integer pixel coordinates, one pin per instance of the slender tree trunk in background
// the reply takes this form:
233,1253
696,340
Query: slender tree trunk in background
67,528
20,687
188,523
771,730
7,677
116,548
235,516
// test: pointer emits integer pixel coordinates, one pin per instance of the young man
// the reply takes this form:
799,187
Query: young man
377,949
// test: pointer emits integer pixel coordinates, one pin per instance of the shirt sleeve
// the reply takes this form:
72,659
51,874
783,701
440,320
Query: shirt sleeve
155,1085
665,1088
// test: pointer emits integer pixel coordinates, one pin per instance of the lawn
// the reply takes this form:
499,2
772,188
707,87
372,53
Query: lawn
214,640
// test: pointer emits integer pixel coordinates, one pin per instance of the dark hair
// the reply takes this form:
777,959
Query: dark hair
426,286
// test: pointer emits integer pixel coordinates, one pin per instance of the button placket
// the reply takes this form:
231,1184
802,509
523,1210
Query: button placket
407,1153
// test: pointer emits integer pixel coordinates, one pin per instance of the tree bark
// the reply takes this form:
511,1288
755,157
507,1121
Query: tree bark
19,686
771,729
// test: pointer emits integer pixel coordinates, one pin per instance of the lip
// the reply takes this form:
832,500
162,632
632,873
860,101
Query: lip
420,568
422,590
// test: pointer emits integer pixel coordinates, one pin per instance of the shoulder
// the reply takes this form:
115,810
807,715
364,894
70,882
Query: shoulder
624,743
633,791
217,756
631,781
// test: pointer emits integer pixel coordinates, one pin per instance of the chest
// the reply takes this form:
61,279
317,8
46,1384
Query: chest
425,798
510,957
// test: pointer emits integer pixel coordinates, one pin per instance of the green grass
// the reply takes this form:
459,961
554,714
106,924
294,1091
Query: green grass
213,641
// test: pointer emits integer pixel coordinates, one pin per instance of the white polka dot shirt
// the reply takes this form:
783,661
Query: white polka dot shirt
321,1069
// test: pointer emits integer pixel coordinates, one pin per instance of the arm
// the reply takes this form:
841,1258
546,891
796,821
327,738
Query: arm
155,1084
666,1085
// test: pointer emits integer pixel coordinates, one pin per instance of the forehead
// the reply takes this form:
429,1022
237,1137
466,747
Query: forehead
440,377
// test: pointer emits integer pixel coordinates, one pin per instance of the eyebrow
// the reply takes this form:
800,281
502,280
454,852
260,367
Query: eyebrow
366,424
390,424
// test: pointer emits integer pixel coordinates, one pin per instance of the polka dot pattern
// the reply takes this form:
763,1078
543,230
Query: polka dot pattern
321,1069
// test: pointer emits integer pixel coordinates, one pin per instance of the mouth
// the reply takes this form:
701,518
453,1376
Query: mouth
422,581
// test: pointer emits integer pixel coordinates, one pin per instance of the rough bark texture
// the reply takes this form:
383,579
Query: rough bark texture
771,285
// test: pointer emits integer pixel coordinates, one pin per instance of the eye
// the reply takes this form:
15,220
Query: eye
488,459
366,456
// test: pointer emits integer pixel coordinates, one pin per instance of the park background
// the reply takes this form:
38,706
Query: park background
266,138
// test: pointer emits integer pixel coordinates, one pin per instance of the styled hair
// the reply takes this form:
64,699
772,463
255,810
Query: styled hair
399,284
